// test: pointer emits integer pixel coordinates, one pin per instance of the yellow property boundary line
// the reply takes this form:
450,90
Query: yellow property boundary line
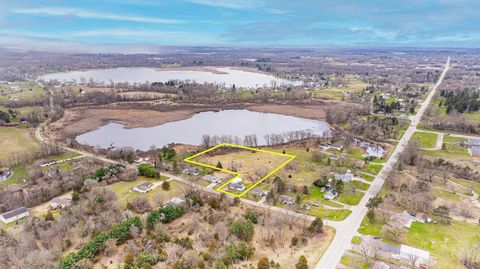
236,174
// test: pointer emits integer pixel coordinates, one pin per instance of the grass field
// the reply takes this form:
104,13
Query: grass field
316,195
124,189
360,185
16,141
354,262
329,214
469,184
447,195
369,228
373,169
446,242
337,93
27,91
351,198
425,140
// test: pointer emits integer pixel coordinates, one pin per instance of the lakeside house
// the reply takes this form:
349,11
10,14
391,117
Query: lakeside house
192,172
287,199
347,177
236,185
143,187
14,215
57,203
420,256
212,179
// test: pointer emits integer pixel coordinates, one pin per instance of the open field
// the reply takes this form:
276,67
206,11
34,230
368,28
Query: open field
16,141
353,84
24,91
125,193
425,140
445,242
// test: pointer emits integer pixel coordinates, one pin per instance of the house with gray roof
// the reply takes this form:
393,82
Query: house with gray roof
259,192
57,203
212,179
143,187
287,199
14,215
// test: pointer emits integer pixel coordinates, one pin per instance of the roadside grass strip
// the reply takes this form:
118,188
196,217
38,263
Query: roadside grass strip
236,174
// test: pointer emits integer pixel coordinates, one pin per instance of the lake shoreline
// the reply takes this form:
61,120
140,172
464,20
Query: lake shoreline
233,125
78,121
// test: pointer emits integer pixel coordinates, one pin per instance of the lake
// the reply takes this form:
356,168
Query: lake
190,131
222,76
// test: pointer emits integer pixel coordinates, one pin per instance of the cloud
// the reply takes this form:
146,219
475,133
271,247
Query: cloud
81,13
170,37
234,4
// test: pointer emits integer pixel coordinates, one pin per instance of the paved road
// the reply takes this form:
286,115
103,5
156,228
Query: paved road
347,229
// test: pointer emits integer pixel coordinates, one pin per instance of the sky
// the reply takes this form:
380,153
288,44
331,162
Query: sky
290,23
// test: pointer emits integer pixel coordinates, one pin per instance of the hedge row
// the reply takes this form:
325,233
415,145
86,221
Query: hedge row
121,232
164,214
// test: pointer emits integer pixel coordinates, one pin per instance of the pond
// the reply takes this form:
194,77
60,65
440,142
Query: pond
222,76
234,123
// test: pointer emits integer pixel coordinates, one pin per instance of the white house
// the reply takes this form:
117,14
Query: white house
143,187
347,177
16,214
56,203
375,151
420,256
236,184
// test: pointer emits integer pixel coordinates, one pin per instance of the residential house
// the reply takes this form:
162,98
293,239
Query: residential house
337,147
212,179
330,195
420,256
57,203
287,199
176,201
192,172
347,177
259,192
375,151
236,185
325,146
143,187
14,215
406,219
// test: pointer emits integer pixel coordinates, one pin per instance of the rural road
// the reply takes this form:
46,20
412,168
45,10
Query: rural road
347,228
